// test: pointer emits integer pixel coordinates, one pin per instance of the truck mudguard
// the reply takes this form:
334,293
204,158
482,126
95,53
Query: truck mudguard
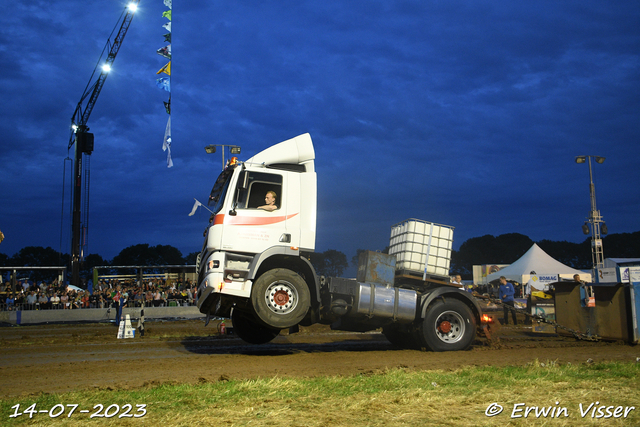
444,292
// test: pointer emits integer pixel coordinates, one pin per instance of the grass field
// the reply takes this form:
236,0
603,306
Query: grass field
536,394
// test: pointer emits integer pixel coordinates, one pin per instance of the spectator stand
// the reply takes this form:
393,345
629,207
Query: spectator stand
11,287
149,286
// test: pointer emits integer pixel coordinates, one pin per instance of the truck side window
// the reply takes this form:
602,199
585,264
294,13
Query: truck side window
258,185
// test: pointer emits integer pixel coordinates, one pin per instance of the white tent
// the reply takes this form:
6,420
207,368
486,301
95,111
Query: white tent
538,262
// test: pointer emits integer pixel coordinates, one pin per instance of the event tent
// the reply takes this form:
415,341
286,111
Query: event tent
536,262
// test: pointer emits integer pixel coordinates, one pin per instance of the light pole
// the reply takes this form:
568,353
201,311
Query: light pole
233,149
595,219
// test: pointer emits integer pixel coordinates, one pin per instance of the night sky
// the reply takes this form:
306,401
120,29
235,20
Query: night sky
464,113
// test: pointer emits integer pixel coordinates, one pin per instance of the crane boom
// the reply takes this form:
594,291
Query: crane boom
81,115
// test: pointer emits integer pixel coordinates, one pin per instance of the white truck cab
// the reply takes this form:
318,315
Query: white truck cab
243,241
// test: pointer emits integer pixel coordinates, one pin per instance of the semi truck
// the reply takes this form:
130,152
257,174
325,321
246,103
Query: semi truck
252,267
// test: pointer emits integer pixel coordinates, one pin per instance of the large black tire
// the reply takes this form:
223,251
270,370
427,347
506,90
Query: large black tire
250,330
449,325
280,298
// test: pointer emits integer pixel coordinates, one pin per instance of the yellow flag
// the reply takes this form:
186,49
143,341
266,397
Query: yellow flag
166,69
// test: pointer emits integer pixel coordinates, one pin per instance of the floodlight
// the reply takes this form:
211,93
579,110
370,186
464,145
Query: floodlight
581,159
210,149
599,159
234,149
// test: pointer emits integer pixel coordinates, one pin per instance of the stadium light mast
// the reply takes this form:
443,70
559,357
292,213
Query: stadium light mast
594,220
211,148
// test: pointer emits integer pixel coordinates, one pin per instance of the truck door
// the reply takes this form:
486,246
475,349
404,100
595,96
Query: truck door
250,228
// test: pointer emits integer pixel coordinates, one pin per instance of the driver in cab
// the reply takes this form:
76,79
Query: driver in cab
270,202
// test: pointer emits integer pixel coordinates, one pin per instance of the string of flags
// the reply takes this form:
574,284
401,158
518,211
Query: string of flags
165,82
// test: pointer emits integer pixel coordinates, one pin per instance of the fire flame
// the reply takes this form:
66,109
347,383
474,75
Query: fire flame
486,319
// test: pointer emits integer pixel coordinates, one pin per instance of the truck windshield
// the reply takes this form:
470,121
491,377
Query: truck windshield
219,191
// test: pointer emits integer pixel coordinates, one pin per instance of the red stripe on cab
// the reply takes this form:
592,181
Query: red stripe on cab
250,220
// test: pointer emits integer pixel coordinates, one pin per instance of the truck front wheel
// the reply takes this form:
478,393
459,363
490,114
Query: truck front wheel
449,325
249,330
280,298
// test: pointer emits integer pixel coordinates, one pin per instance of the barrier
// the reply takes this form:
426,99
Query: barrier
95,315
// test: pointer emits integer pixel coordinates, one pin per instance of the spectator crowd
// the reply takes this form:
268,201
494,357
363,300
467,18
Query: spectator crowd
106,294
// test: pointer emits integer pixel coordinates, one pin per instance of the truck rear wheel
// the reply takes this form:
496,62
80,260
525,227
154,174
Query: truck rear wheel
449,325
280,298
250,330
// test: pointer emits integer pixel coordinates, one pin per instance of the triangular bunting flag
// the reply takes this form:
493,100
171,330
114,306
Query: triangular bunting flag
164,83
166,69
165,51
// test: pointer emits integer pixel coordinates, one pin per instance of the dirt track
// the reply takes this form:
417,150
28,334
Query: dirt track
61,358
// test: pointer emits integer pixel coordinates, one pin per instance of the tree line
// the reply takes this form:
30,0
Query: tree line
487,249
